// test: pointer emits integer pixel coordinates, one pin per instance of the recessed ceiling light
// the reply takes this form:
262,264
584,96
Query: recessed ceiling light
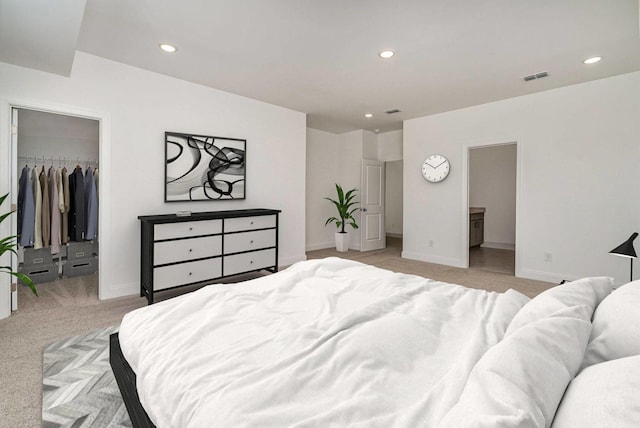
386,54
592,60
168,48
368,115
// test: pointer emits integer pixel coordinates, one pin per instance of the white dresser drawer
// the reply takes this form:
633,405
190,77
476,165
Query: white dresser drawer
186,249
246,241
185,273
246,262
186,229
249,223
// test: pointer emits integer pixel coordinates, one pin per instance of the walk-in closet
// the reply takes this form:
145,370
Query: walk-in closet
58,176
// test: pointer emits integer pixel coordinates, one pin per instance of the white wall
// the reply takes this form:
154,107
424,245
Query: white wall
579,191
492,185
62,140
142,106
393,198
322,173
390,146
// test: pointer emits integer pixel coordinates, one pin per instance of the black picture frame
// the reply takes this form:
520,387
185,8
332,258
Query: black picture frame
204,168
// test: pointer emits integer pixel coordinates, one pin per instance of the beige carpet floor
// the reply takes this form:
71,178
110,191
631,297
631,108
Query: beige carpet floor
70,307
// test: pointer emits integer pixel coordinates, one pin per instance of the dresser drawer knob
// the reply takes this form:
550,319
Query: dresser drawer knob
191,228
251,262
251,241
190,273
190,249
251,222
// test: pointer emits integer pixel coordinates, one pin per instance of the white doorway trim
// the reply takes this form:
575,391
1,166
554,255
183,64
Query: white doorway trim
104,224
464,219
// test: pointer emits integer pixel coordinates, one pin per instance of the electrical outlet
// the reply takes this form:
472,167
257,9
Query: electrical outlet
431,243
548,257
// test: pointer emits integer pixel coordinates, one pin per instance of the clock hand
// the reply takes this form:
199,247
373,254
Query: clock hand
444,161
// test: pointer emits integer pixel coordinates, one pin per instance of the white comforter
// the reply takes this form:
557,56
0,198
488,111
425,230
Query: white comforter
324,343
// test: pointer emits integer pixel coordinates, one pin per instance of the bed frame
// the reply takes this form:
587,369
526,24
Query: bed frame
126,379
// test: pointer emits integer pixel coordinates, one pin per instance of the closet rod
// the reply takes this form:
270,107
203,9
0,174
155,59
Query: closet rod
59,159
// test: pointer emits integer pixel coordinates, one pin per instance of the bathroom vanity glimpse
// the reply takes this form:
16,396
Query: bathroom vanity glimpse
476,226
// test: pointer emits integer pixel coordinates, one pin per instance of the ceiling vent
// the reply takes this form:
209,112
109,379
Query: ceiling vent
392,111
535,76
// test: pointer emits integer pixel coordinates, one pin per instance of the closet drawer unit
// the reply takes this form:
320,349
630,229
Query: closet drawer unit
79,267
186,249
248,241
40,273
186,273
80,250
247,262
187,229
249,223
37,257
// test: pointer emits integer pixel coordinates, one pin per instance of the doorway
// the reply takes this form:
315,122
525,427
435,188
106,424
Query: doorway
381,206
393,220
491,207
54,137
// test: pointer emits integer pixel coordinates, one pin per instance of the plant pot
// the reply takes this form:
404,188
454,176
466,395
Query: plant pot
342,241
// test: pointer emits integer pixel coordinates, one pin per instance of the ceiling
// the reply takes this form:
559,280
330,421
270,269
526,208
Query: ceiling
321,57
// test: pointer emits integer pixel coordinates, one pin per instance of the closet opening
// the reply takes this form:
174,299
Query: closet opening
57,180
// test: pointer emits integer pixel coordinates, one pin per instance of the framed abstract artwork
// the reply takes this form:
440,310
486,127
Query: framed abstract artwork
204,168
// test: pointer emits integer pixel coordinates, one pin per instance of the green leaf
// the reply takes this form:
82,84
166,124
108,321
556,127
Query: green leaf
7,244
27,281
344,205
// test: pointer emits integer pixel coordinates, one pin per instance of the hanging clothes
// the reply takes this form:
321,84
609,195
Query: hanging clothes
67,207
91,201
77,213
55,211
37,197
61,207
46,215
26,209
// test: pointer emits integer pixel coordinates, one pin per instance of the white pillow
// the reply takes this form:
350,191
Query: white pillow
616,326
520,381
603,395
587,291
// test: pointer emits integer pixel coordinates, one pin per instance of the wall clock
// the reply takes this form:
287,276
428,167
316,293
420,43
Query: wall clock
435,168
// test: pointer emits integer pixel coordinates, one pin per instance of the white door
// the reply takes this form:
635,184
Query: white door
372,236
14,201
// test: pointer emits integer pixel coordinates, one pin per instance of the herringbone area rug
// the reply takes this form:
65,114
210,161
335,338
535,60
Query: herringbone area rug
78,387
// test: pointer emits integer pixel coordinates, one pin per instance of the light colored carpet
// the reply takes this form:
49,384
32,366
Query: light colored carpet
70,307
65,308
389,258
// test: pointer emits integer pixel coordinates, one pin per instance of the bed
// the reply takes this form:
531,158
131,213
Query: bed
334,342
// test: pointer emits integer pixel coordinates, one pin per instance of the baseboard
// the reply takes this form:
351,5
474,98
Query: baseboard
120,290
430,258
394,235
540,275
284,262
499,246
320,246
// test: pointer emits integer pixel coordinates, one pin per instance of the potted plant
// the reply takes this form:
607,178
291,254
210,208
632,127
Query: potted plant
8,245
345,206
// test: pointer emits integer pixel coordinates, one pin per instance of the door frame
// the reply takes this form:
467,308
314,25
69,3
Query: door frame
464,219
104,123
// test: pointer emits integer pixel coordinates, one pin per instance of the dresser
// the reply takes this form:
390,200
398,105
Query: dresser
206,246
